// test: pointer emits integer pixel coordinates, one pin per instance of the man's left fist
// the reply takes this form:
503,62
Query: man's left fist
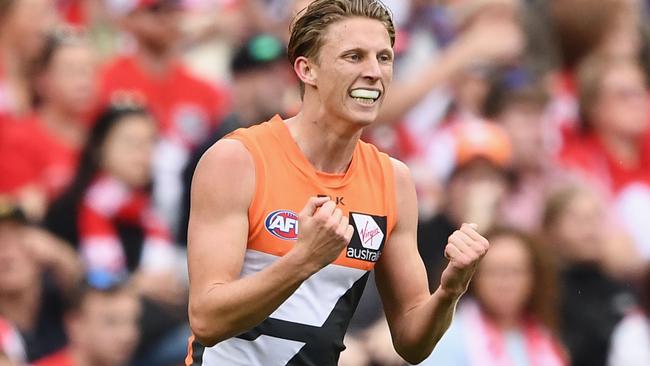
464,250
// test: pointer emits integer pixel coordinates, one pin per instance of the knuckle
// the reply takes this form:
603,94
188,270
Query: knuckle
332,223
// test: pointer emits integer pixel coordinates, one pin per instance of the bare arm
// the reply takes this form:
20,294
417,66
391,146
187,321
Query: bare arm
487,42
223,305
418,319
55,256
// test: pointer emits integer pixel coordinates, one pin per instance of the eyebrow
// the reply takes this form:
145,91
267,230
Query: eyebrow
361,50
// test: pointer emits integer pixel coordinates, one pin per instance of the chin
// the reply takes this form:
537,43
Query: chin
362,119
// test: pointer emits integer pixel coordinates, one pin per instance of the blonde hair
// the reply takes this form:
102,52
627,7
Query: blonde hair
309,27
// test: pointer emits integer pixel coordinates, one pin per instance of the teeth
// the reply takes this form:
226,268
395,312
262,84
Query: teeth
364,100
364,93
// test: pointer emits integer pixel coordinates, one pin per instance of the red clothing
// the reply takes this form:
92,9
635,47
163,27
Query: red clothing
588,155
107,202
186,107
30,154
61,358
73,12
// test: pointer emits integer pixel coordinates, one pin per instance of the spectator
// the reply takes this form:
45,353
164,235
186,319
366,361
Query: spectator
259,69
614,149
485,37
475,190
187,109
629,344
102,325
518,102
592,302
37,275
512,317
23,27
584,28
39,153
116,231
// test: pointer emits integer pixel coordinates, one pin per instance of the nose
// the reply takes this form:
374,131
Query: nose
372,70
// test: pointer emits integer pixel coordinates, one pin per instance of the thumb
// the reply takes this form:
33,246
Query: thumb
312,205
473,226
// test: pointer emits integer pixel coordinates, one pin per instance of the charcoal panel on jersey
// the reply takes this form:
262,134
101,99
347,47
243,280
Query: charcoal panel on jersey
197,353
323,344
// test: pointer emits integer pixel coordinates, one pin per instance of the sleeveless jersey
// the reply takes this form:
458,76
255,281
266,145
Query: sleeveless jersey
308,328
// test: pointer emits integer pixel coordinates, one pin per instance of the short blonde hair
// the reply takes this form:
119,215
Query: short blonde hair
309,27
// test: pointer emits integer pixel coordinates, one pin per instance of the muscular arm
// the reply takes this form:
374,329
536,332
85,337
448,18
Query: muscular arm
223,305
418,319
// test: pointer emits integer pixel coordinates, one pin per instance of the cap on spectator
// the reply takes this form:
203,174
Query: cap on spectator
124,7
258,52
10,212
482,140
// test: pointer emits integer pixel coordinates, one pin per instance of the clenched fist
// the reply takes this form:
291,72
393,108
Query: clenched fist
464,250
324,231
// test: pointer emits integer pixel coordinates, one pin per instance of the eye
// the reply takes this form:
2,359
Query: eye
354,57
385,58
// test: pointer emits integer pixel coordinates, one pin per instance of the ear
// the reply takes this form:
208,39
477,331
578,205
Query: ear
305,70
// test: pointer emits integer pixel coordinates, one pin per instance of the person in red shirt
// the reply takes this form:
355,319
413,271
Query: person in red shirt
613,149
102,327
186,108
38,154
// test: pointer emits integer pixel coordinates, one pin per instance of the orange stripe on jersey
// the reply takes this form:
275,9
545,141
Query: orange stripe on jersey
285,180
190,350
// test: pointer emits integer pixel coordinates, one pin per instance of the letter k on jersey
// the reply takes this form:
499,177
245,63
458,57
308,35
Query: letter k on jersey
339,200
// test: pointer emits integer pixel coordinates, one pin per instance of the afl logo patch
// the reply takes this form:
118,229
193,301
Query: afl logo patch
282,224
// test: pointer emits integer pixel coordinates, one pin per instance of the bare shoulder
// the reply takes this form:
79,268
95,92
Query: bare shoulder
402,175
226,153
225,171
406,198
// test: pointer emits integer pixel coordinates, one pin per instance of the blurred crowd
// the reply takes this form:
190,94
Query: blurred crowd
530,118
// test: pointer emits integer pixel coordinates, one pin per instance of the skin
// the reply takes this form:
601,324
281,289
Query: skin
504,280
128,149
622,106
579,229
24,253
105,331
356,53
68,83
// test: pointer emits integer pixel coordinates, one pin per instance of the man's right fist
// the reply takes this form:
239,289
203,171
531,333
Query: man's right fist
323,231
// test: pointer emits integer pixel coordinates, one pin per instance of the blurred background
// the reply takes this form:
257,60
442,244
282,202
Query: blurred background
528,117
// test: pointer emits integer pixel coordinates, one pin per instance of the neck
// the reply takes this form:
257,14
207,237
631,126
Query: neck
63,124
82,358
155,63
21,306
327,142
624,149
506,322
